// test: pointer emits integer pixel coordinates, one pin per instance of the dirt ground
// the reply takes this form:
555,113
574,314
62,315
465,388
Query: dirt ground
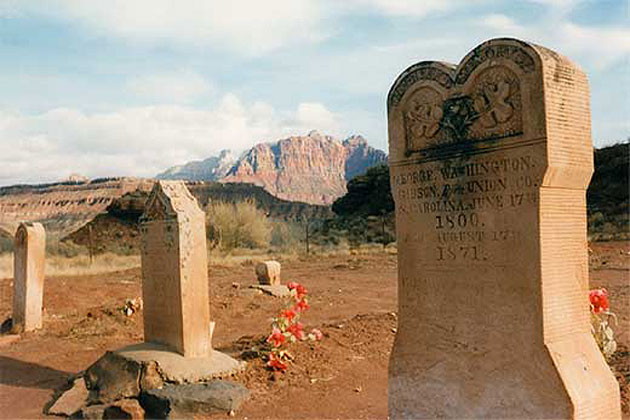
353,301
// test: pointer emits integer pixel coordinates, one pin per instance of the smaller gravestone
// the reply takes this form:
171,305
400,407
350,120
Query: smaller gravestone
268,272
28,283
177,327
175,271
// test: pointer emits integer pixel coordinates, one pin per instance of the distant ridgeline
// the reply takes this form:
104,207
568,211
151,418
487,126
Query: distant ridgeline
110,207
131,206
607,196
117,229
62,207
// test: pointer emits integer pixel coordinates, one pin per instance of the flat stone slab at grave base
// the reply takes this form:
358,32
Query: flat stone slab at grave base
173,367
275,290
180,401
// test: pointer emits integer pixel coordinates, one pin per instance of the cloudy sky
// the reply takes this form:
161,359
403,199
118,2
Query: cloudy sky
131,87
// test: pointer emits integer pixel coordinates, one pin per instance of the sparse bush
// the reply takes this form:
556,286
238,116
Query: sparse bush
6,244
237,225
286,234
67,249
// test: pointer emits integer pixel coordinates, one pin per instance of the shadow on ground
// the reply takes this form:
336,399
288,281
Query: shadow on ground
30,375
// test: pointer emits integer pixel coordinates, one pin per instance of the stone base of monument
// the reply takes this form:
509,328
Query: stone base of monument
132,371
175,368
275,290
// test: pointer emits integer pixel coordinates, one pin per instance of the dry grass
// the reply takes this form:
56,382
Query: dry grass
79,265
245,256
76,266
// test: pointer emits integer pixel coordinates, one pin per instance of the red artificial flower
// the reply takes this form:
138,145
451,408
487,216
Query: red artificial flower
317,333
301,306
297,330
276,337
301,291
276,363
599,300
289,314
292,285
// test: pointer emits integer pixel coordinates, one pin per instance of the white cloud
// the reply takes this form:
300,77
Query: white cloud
413,8
139,141
502,24
594,47
315,116
601,46
245,26
176,87
249,27
404,8
562,6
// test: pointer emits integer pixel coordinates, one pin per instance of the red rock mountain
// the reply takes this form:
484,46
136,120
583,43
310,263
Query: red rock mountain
312,169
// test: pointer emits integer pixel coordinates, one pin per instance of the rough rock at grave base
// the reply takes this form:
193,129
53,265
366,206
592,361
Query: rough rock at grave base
174,401
68,400
113,377
122,409
92,412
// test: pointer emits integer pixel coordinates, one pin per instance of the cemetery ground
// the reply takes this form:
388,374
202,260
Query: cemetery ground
353,301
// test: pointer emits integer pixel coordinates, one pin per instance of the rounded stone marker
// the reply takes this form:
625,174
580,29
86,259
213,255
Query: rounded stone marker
268,272
29,261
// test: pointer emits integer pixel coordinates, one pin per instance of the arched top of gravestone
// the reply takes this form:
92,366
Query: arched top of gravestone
26,229
527,56
169,200
502,89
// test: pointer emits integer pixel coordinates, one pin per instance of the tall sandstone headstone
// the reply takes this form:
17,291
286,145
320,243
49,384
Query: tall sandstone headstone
174,271
29,260
489,163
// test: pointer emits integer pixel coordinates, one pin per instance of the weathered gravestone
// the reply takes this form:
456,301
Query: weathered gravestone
489,164
177,327
174,271
28,281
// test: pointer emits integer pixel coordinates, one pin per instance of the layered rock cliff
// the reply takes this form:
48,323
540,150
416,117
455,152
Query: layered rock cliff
312,169
62,207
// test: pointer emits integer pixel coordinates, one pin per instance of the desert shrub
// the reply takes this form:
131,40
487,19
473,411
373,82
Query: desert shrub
67,249
607,194
6,244
237,225
368,194
286,234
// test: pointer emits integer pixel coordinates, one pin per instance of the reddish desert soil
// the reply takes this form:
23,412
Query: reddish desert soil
353,301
